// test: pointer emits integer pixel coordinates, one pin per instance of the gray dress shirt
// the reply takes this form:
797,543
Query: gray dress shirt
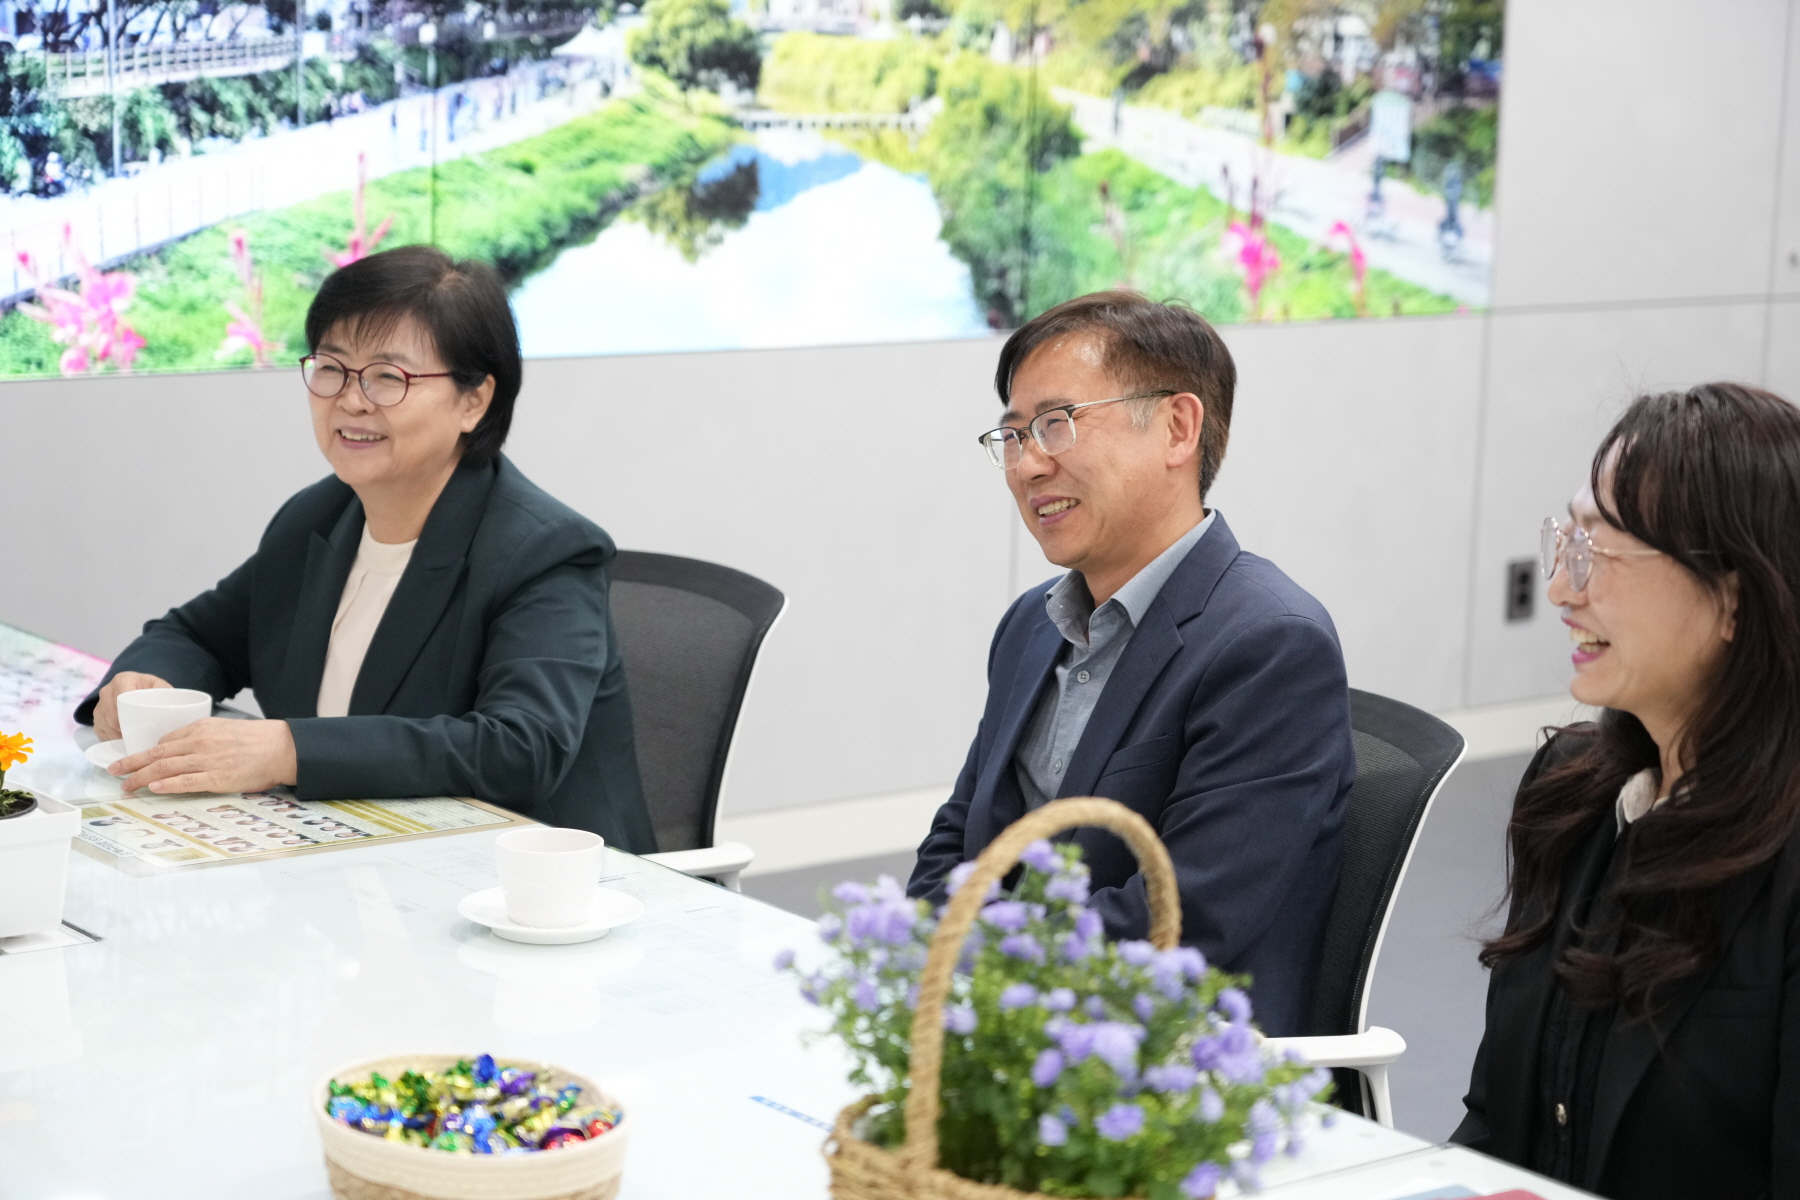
1096,638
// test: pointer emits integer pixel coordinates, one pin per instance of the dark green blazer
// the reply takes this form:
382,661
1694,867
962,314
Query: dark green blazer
494,673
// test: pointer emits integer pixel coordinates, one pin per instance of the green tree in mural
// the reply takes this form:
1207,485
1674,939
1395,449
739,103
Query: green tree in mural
698,44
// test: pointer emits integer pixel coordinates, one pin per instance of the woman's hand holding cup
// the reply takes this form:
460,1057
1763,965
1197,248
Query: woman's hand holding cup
106,709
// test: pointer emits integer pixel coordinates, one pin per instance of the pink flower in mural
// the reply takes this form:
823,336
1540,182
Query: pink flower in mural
89,321
362,243
1256,258
1359,266
245,329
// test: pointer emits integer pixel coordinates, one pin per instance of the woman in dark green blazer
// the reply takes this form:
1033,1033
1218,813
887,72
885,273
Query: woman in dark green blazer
482,663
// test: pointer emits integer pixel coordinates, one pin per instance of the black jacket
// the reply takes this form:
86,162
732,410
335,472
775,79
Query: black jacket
1226,725
494,673
1704,1103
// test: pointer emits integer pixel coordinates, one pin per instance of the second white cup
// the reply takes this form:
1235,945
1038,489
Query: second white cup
549,875
148,715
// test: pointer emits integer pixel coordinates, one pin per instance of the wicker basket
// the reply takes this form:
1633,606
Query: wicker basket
862,1171
365,1167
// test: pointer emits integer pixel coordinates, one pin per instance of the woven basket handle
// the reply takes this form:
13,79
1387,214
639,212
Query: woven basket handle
921,1149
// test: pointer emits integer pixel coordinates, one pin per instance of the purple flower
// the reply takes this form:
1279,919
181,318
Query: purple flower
1073,947
1041,856
1201,1182
1116,1045
1051,1131
1019,995
1068,886
866,996
1239,1060
1138,954
912,996
784,959
1119,1122
1263,1119
1048,1068
960,1019
1168,974
887,918
1212,1107
809,988
1192,961
1009,916
1175,1077
1235,1005
959,875
1060,1000
1295,1144
1095,1007
1262,1148
850,892
1088,924
1143,1006
1022,946
830,925
1076,1040
1244,1171
1328,1118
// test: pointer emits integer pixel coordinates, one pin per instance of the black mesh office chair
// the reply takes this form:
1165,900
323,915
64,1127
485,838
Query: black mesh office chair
689,632
1403,756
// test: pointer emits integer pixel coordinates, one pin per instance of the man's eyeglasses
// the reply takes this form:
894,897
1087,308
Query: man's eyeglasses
1053,430
1576,551
383,383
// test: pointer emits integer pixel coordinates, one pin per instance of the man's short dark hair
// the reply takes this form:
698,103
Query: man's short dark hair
1149,347
463,309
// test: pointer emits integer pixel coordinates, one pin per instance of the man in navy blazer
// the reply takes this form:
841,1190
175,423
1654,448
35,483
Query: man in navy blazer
1169,670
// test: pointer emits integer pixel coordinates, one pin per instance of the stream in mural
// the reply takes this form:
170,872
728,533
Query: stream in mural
787,239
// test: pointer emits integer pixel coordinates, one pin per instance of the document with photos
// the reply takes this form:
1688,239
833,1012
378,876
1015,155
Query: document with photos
141,832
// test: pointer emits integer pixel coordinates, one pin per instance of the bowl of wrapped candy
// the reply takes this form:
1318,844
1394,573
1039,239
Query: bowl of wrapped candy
444,1127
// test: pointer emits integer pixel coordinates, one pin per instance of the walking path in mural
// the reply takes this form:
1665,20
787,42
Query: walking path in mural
1311,194
179,196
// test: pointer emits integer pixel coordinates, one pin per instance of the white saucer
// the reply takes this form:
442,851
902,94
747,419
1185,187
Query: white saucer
105,754
611,909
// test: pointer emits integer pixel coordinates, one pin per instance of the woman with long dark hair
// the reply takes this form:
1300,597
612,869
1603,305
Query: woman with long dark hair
1643,1014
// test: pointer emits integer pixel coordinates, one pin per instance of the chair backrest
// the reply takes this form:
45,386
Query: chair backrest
1403,755
689,632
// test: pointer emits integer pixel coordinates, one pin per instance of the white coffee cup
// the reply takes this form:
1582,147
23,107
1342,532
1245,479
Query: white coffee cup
549,875
148,715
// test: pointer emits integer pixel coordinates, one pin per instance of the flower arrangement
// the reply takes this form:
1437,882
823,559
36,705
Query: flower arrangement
1071,1065
90,322
15,748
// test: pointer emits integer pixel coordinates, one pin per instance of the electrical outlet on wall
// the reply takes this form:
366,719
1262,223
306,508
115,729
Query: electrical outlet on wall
1521,588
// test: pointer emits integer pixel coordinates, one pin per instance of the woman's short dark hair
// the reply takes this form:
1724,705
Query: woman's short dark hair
1149,346
1710,477
463,309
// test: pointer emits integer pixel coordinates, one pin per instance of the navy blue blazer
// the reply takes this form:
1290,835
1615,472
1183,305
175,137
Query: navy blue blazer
494,672
1226,725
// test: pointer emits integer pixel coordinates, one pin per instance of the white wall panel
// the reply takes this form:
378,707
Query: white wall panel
1784,277
1637,143
1556,382
1783,372
129,495
850,479
1350,466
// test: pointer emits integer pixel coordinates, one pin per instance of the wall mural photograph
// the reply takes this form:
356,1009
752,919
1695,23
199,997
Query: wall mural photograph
178,176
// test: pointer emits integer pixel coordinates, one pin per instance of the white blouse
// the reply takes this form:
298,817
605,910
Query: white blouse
373,577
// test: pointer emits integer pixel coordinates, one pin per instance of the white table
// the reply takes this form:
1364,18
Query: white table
175,1057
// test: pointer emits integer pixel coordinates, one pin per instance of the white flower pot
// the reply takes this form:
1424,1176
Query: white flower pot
34,866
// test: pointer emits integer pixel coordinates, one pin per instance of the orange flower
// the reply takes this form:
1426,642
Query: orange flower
13,750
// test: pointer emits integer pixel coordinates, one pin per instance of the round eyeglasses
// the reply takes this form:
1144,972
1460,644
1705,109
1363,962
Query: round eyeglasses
1575,550
1053,430
383,383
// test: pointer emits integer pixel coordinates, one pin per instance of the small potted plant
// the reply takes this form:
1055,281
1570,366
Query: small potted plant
1010,1049
35,832
15,748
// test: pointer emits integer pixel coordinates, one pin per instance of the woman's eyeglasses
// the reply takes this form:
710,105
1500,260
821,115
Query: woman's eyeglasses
1575,550
384,384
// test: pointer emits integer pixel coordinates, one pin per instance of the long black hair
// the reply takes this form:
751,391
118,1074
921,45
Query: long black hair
1710,477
